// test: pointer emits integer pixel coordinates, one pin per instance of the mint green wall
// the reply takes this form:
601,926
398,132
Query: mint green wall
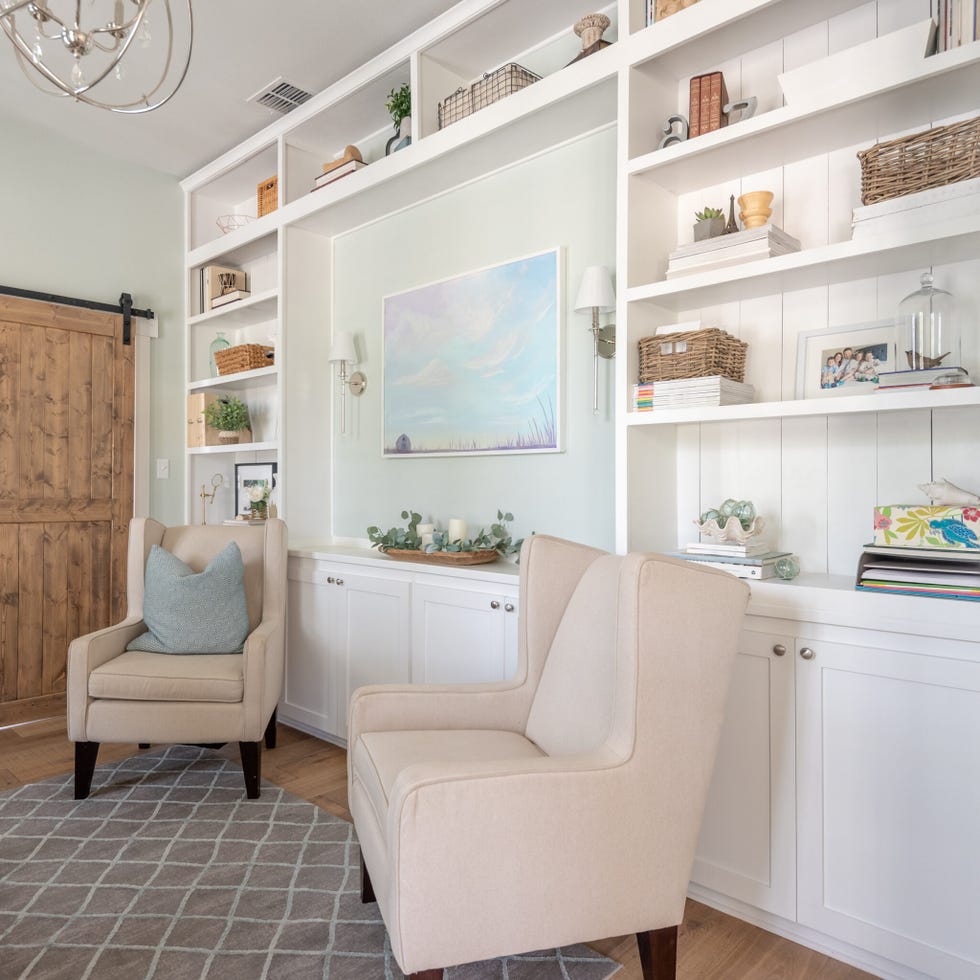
565,198
79,223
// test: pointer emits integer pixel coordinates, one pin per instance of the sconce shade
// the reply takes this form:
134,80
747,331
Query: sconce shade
596,290
342,348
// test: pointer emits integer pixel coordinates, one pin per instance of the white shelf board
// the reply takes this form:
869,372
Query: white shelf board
788,134
575,101
238,447
253,239
912,248
894,401
708,33
257,378
258,308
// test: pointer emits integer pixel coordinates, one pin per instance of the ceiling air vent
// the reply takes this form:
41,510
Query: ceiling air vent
280,96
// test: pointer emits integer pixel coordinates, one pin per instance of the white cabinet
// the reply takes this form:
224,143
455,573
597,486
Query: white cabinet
888,762
345,629
463,636
747,848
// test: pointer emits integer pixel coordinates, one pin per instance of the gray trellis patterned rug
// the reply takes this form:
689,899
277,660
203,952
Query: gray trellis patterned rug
168,872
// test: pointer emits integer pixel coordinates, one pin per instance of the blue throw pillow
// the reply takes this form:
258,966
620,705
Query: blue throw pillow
188,612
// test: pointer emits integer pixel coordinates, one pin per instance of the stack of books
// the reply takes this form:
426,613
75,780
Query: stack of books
752,560
951,377
690,392
232,297
336,173
942,573
643,397
929,207
733,249
709,95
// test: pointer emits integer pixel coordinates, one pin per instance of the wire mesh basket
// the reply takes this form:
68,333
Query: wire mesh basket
232,222
493,87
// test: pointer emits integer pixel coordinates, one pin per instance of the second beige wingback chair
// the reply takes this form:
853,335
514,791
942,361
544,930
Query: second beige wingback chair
563,807
115,695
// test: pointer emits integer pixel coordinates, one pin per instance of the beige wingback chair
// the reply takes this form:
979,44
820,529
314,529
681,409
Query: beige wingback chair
115,695
565,806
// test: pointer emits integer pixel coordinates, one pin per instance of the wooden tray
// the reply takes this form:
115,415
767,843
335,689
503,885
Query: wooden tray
442,557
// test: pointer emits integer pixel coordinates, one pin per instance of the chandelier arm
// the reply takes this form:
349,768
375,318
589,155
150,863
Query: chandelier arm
120,54
27,55
24,61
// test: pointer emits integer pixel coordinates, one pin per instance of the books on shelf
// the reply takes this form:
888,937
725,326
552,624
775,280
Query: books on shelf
247,521
757,567
929,207
218,280
725,250
923,378
958,22
643,397
751,549
708,96
233,297
336,173
712,390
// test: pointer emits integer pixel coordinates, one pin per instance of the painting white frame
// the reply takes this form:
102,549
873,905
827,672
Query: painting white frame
813,346
491,331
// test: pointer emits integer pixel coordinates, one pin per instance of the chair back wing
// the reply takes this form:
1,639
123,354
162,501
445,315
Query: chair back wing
197,545
144,532
572,711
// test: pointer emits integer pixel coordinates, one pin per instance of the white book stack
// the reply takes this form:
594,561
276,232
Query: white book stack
723,250
714,390
930,207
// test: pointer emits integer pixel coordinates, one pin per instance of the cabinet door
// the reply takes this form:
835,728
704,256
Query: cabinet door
310,620
372,635
889,803
459,636
747,845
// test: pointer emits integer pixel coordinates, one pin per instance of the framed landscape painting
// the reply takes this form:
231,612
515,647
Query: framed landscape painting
471,364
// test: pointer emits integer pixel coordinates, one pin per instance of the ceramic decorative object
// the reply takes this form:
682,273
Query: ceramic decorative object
590,29
755,208
745,109
735,521
943,492
671,135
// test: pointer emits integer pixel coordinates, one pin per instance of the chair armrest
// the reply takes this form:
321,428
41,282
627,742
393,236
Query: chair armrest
262,676
87,652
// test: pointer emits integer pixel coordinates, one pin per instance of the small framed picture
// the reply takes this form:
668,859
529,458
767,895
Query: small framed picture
844,360
247,476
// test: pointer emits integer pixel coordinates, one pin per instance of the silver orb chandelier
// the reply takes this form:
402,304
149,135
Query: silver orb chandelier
113,45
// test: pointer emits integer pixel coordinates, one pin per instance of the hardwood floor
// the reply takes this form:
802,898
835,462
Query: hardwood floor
712,946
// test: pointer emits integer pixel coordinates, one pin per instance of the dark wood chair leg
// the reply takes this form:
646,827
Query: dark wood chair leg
270,730
251,753
85,755
367,889
144,745
426,975
658,953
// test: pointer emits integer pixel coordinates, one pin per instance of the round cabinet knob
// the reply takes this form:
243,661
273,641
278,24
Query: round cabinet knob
509,607
329,580
494,604
807,654
779,650
340,581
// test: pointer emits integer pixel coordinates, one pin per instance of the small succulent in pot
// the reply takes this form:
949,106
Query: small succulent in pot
710,224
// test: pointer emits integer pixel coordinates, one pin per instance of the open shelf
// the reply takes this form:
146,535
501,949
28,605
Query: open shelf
894,401
258,308
243,447
239,247
936,244
257,378
788,134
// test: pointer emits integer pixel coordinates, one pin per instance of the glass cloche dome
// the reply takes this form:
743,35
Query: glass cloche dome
928,333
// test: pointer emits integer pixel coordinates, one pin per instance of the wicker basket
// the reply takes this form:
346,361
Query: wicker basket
268,196
692,354
244,357
494,86
913,163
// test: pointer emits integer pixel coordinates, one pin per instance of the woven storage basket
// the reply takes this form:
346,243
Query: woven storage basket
913,163
268,196
692,354
494,86
244,357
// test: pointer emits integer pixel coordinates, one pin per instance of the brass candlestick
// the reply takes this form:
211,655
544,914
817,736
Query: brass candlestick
207,498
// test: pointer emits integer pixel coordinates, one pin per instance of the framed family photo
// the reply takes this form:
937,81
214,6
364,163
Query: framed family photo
844,360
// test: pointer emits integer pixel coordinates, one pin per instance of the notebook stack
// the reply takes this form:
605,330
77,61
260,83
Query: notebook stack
724,250
924,378
921,209
690,392
753,560
643,398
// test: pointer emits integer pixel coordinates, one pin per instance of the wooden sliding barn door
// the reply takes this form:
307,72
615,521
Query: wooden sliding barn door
66,489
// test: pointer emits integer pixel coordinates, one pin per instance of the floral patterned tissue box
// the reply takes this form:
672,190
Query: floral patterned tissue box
917,526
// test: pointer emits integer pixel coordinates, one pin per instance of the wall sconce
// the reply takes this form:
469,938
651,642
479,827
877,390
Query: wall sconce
596,294
342,350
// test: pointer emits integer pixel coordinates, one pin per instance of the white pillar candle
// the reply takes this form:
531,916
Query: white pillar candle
457,530
424,532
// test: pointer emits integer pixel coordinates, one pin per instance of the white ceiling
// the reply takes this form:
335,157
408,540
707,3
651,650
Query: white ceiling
239,46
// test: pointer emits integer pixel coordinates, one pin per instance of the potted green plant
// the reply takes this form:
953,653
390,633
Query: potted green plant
229,415
399,105
710,224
